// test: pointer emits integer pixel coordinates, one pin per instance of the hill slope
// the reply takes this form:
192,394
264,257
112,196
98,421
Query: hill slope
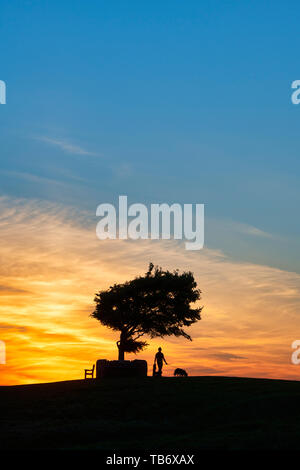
152,413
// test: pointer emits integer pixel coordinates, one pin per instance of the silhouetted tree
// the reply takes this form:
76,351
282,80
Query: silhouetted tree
156,304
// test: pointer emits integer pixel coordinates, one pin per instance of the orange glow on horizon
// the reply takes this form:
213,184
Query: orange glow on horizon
52,266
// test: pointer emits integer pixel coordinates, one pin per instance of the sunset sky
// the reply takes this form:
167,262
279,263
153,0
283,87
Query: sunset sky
162,102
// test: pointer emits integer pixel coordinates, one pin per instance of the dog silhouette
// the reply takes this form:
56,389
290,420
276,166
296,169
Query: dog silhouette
180,372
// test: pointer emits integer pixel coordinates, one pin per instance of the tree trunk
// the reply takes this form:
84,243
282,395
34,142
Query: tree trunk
121,353
121,348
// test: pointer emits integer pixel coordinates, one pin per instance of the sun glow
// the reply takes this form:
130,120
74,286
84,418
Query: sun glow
51,268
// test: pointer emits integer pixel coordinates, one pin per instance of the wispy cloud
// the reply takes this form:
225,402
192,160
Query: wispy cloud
67,146
232,228
227,356
251,230
32,178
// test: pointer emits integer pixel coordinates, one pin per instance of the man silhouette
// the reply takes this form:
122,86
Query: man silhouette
159,358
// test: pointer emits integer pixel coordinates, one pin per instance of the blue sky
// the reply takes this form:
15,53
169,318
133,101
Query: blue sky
163,101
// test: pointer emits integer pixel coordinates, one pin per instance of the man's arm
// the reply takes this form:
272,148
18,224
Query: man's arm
165,360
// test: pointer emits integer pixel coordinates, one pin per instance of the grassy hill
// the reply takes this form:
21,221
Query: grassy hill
152,413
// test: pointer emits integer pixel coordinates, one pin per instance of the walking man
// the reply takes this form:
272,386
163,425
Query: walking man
159,359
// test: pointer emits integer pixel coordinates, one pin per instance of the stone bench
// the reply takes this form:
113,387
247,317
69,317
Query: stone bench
136,368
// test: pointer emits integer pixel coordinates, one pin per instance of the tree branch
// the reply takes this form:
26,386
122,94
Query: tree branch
138,336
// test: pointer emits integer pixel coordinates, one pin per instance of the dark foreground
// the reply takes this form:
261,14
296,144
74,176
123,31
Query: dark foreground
152,413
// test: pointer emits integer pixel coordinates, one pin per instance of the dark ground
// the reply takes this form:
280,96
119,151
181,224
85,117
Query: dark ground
152,413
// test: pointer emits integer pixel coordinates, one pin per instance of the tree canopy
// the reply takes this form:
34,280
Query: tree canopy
156,304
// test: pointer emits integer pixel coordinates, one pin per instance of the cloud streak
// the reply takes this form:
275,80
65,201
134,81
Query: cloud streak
66,146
